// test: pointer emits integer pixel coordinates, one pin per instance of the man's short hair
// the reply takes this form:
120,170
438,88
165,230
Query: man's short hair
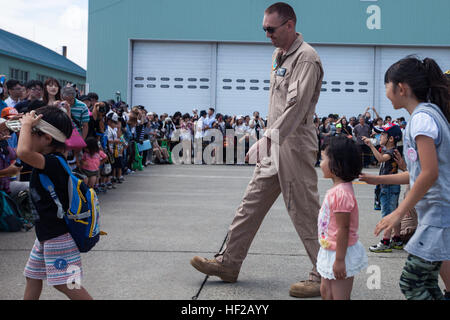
34,83
12,83
285,11
68,92
212,109
93,96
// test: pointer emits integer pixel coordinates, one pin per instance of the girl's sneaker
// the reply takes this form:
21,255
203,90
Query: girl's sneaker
397,243
381,247
121,179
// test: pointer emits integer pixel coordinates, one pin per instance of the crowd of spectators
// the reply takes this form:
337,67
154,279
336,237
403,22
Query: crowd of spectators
111,140
364,125
108,140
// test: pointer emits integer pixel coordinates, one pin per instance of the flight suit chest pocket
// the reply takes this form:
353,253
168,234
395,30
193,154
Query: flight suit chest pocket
280,76
291,97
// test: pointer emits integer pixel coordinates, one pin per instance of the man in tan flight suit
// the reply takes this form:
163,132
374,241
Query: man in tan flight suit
295,85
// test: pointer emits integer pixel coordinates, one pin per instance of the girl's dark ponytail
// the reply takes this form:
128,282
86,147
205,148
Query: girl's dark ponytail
425,78
438,91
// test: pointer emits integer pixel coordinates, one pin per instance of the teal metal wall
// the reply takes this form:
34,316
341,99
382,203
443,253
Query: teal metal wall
112,23
33,69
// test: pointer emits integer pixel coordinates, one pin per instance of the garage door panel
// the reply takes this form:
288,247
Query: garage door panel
243,78
234,77
172,76
347,87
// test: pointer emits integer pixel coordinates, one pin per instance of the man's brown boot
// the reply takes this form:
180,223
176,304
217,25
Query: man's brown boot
214,268
305,289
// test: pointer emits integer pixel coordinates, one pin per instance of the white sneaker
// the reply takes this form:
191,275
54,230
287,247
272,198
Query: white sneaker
380,248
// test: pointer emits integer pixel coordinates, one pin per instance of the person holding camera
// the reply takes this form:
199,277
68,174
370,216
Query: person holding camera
96,126
257,126
363,130
78,110
195,116
168,128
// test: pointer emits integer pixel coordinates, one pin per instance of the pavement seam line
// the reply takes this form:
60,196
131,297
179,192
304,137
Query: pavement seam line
206,278
208,252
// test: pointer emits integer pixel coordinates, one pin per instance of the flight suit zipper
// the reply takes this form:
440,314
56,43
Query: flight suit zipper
289,195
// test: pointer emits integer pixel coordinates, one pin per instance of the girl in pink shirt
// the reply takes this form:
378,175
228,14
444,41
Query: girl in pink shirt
341,255
92,158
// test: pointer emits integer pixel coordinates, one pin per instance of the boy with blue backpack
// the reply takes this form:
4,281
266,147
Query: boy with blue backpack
65,210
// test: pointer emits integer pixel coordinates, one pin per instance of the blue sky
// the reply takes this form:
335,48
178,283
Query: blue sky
51,23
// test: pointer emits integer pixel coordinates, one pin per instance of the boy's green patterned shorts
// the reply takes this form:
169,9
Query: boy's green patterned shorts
419,280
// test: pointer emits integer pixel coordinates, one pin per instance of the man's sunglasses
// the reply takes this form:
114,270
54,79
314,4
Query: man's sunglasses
273,29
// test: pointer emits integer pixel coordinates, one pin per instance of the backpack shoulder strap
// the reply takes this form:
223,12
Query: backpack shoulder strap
50,187
65,165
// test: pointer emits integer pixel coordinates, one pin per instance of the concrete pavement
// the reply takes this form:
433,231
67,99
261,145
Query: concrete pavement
158,219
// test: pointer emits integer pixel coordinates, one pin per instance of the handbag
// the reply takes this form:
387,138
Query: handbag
107,169
137,163
75,142
146,145
110,156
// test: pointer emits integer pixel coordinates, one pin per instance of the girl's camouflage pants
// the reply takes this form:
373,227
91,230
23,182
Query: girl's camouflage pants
419,280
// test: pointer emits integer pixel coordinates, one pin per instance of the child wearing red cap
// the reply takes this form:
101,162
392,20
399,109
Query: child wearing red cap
9,112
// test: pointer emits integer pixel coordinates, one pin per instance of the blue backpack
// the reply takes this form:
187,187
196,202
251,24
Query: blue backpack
82,216
10,218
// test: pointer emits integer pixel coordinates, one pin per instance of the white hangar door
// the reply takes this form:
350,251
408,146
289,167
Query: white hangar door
243,78
169,76
348,84
388,56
